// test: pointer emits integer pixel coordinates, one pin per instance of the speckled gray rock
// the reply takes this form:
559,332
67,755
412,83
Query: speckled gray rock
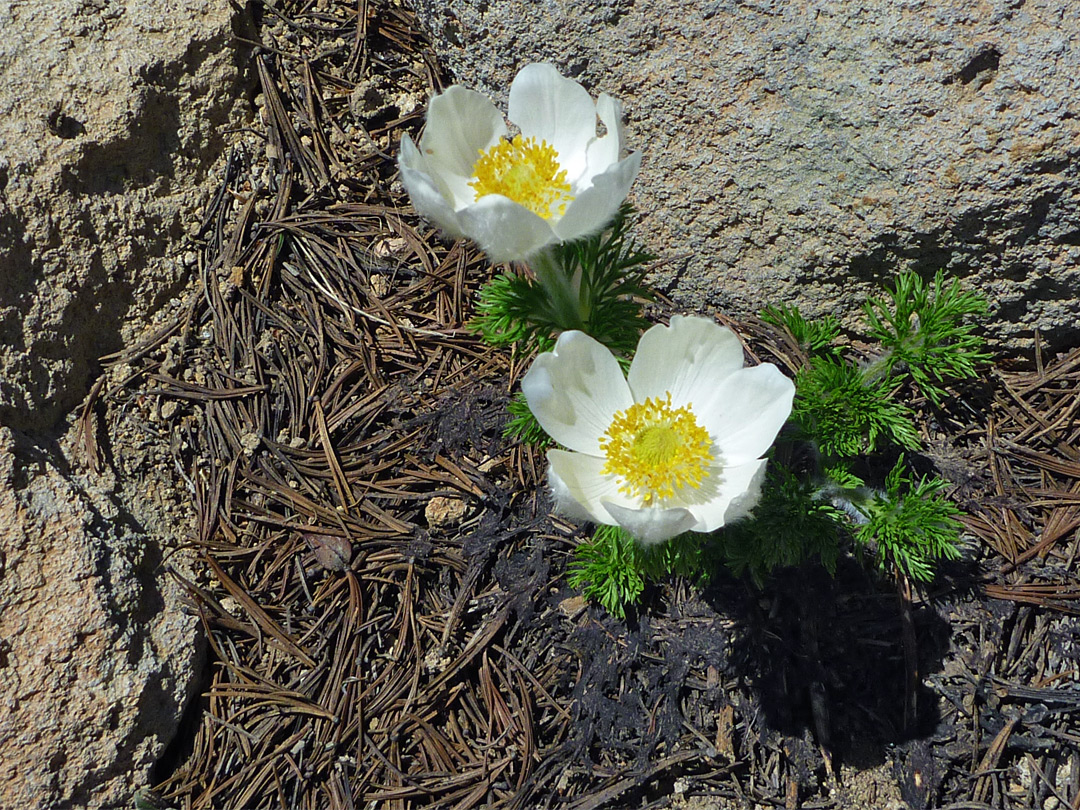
111,115
97,658
803,151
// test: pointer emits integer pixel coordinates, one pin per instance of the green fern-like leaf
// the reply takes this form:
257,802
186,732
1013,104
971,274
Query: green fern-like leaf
846,414
606,570
610,269
912,524
924,330
511,311
595,284
788,526
815,337
839,475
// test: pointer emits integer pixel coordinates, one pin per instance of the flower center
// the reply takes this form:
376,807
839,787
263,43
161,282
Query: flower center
525,171
656,450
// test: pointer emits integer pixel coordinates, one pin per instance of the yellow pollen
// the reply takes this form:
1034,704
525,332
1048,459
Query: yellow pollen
656,450
525,171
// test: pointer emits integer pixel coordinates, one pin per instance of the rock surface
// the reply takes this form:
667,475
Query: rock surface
97,661
113,119
805,151
111,114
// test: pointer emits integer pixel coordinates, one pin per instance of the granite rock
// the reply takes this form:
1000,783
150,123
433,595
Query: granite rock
97,658
111,117
113,124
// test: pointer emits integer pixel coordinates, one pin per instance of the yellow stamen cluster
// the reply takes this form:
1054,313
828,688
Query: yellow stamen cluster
525,171
656,450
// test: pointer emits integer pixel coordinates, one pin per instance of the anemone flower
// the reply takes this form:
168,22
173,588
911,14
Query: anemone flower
556,180
676,446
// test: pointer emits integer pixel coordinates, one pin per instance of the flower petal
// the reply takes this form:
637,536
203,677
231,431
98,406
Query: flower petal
569,502
460,124
575,391
746,411
550,107
505,230
603,152
580,490
593,209
649,525
739,493
428,199
689,358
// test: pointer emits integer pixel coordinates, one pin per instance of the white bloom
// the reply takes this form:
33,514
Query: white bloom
674,447
556,181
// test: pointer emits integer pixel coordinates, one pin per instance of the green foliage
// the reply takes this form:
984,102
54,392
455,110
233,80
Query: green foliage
839,474
912,524
606,570
815,337
505,305
850,412
845,414
924,332
688,555
613,570
790,525
523,425
848,409
593,284
612,287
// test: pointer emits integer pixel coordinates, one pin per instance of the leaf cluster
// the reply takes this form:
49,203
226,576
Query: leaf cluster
815,337
595,284
847,413
606,570
911,523
847,408
925,333
612,569
792,523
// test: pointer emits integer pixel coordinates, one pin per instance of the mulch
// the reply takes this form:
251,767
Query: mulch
383,590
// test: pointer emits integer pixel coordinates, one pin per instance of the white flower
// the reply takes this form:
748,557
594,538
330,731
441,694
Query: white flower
674,447
556,181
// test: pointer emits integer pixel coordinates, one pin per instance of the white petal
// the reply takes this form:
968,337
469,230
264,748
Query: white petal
575,391
580,488
428,200
460,124
593,209
739,493
650,526
746,411
550,107
604,151
504,229
689,358
566,503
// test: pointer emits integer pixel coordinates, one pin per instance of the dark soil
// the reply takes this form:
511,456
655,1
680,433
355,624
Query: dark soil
384,589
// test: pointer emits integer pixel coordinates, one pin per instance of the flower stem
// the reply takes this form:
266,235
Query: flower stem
855,501
564,291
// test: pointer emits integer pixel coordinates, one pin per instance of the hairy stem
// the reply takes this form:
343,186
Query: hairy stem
564,292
